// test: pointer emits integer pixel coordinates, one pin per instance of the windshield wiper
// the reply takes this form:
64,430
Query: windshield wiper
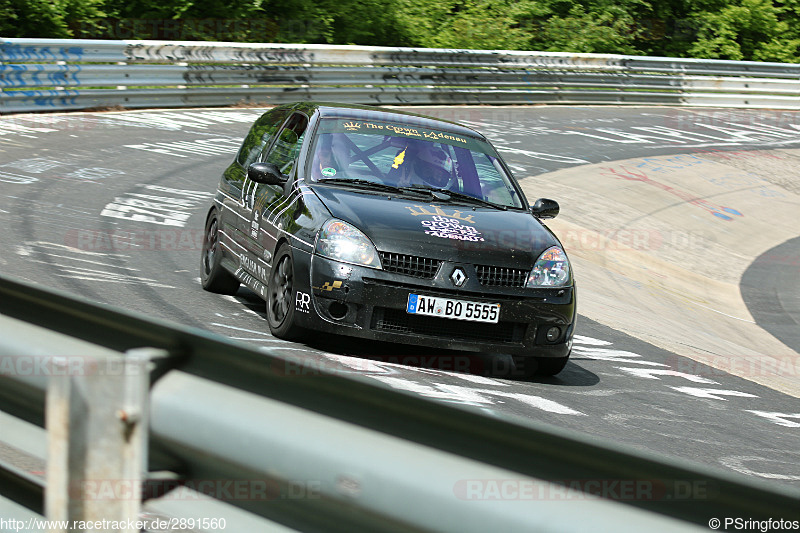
363,183
457,195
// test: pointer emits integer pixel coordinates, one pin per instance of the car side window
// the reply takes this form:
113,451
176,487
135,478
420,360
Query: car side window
495,188
260,135
286,149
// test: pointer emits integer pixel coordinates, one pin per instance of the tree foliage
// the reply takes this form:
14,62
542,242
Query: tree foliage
38,18
760,30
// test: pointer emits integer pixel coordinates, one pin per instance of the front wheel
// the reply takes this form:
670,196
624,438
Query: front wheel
213,276
280,296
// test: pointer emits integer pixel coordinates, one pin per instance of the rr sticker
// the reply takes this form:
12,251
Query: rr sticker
302,302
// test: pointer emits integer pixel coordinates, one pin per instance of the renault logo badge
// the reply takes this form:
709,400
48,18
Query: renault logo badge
458,277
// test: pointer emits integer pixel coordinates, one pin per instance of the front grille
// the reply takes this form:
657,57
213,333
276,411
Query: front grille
501,276
410,265
398,321
444,291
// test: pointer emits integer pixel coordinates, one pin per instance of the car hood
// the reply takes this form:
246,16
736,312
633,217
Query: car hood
440,230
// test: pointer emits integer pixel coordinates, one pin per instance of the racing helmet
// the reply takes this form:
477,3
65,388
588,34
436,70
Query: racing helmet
433,166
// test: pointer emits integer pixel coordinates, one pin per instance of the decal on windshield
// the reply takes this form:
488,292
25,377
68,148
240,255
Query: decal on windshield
400,158
328,172
396,130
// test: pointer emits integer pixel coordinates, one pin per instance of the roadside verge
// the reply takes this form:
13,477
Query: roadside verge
660,245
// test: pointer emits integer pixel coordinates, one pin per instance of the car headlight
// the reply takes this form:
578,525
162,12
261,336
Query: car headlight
343,242
550,270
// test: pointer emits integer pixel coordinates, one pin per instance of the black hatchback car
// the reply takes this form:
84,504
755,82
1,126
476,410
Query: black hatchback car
390,226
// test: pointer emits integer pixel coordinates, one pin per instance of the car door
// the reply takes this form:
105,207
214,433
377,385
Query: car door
235,185
266,203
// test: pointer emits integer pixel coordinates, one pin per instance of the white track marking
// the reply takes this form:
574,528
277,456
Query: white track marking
580,339
243,329
616,356
780,418
712,394
243,303
651,373
737,463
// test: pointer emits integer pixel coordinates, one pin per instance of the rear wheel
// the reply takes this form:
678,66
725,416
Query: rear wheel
213,276
280,296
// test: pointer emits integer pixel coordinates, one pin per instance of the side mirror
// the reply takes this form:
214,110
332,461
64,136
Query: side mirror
545,208
266,173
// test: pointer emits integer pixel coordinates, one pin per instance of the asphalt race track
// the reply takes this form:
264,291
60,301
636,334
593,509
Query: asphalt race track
687,347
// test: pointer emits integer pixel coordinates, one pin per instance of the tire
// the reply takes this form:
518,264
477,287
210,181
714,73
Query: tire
280,296
550,366
213,276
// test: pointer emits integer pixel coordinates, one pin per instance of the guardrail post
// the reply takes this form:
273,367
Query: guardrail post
96,416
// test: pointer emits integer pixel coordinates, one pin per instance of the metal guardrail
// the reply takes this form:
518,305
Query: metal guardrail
316,451
47,75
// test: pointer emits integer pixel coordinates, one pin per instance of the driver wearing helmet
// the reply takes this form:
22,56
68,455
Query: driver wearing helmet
422,163
331,156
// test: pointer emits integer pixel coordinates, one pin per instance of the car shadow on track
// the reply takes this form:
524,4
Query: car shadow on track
494,365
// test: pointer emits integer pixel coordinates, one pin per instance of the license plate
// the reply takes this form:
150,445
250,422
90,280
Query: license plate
419,304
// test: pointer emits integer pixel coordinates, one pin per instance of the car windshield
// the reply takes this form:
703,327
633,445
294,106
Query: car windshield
405,155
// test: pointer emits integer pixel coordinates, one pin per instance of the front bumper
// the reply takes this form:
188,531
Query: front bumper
368,303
